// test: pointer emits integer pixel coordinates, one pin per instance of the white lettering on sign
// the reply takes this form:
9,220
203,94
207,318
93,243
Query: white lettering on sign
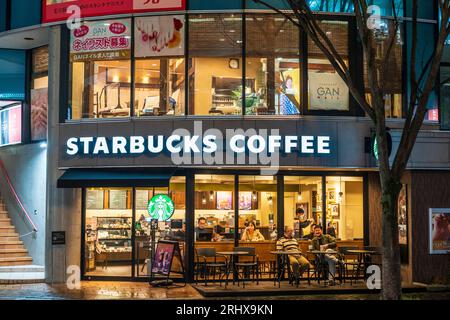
238,144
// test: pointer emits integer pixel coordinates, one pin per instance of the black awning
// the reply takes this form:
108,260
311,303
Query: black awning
80,178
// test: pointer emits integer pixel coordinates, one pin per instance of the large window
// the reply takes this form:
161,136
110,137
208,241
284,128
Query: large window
327,91
215,64
100,54
272,65
344,207
393,79
302,204
108,232
214,208
257,208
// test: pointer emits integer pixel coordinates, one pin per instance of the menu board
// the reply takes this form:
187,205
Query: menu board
94,199
60,10
11,125
101,40
142,199
117,199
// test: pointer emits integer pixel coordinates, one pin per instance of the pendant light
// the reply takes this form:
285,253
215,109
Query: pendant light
254,193
299,194
341,194
203,199
211,193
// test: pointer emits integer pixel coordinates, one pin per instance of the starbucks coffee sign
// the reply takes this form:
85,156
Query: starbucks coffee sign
161,207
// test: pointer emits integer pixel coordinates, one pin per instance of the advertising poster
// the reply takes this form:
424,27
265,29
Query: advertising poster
39,109
101,40
439,231
11,126
60,10
162,260
159,36
402,217
224,200
245,201
328,92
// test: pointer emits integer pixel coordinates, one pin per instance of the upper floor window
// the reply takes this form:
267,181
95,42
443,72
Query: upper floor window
215,64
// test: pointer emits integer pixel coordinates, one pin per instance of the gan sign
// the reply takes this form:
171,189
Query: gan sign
53,12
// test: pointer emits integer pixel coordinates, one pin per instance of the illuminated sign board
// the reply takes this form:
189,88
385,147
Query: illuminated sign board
11,126
161,207
196,144
54,12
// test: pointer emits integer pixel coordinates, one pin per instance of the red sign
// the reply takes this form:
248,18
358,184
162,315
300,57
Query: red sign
92,8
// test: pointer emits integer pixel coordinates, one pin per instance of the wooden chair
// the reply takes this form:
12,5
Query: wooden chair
250,263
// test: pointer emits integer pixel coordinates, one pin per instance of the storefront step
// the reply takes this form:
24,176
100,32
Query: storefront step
16,261
11,244
13,253
4,222
9,237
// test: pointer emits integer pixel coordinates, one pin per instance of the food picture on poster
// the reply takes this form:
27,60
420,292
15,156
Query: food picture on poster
159,36
101,40
439,231
163,257
245,201
224,200
39,109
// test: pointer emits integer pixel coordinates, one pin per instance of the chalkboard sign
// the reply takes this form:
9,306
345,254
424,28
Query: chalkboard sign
58,237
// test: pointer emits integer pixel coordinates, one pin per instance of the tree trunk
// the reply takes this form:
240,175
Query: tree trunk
391,269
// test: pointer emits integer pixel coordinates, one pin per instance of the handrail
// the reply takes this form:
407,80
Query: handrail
19,202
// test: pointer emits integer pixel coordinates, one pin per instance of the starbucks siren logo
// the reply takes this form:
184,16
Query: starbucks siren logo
161,207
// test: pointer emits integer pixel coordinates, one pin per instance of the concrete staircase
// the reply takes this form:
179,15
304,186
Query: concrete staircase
12,251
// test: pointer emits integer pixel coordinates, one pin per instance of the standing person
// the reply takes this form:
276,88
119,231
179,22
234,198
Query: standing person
251,234
287,243
326,243
302,222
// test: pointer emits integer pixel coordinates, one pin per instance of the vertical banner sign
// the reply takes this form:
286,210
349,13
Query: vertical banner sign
101,40
159,36
11,126
56,10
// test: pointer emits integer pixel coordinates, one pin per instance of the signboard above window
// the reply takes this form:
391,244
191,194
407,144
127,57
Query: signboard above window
101,40
60,10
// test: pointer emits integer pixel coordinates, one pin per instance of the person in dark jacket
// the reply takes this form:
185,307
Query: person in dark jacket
325,243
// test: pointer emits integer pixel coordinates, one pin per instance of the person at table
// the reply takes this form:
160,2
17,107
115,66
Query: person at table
325,242
288,243
302,222
251,233
201,232
331,230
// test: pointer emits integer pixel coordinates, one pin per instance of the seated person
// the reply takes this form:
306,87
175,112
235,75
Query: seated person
179,235
251,234
201,233
325,242
298,262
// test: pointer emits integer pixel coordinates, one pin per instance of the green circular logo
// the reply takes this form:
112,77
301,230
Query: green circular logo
161,207
375,148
